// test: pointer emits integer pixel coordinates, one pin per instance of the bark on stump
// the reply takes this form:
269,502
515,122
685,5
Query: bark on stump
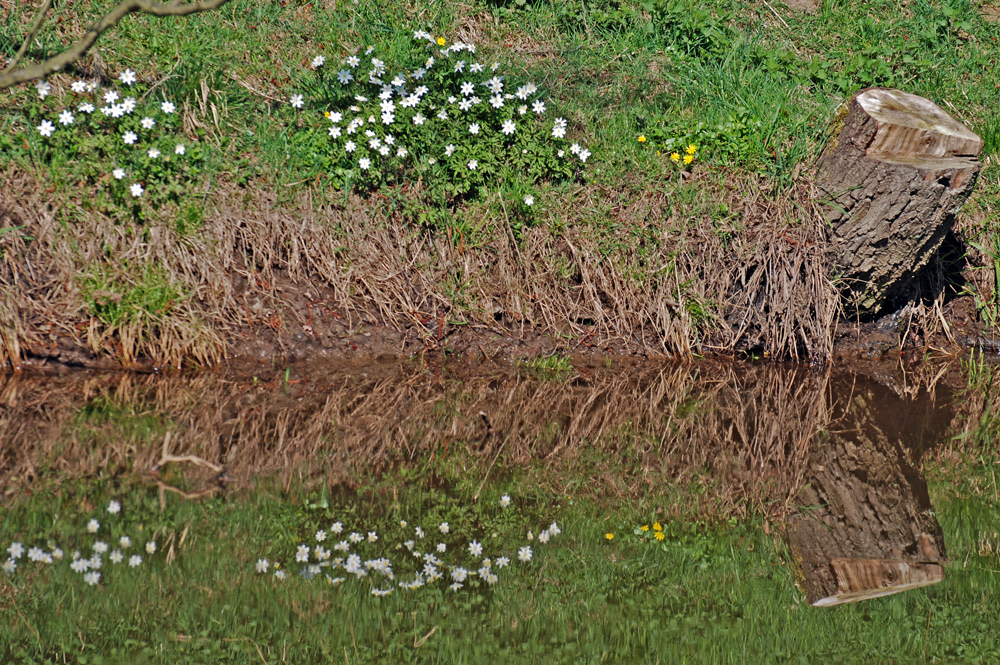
869,529
892,178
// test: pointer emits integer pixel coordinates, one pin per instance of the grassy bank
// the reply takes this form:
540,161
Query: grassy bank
263,220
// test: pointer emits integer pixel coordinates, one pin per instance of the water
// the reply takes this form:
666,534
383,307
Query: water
832,457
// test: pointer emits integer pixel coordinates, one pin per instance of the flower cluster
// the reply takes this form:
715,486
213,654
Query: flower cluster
443,117
644,532
89,565
123,143
425,561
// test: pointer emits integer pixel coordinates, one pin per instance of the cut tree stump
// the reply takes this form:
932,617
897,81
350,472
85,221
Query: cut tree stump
892,178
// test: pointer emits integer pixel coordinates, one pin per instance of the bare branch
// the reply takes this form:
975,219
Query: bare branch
76,51
31,35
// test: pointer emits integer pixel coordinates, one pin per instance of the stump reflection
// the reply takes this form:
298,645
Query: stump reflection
865,526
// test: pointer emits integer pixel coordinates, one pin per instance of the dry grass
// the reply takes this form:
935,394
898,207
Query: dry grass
759,283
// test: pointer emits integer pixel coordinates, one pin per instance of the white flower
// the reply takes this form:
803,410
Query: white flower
443,527
465,105
372,536
147,123
441,547
43,89
472,164
418,119
153,153
9,566
496,101
66,118
529,200
459,574
337,527
129,138
468,88
524,554
127,77
100,547
279,574
456,586
117,557
92,578
296,101
508,127
125,542
320,536
561,153
128,104
476,68
543,537
349,147
502,562
442,115
180,149
449,150
583,155
78,86
475,549
575,149
86,107
114,507
420,532
474,128
263,565
117,111
134,560
401,152
364,163
388,118
57,554
46,128
167,107
398,82
460,65
93,526
345,76
342,546
318,62
334,132
137,190
151,547
505,499
110,97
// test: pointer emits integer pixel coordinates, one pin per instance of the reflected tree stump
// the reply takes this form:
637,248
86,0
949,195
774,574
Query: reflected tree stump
866,527
892,178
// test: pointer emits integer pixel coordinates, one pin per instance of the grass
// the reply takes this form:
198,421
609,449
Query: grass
754,86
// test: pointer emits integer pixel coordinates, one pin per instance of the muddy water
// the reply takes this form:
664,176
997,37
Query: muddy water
834,457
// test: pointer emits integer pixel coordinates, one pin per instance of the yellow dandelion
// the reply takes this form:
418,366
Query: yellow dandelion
675,157
326,114
609,536
440,41
642,139
657,526
691,149
645,527
658,535
688,159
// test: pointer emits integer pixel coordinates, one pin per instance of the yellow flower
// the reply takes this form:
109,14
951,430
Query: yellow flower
691,149
326,114
645,527
657,526
609,536
440,41
674,156
658,535
642,139
688,159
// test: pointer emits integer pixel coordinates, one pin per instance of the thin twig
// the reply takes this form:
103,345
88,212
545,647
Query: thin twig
39,18
76,51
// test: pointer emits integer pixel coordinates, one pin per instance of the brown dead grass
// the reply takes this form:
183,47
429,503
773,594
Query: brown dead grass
682,285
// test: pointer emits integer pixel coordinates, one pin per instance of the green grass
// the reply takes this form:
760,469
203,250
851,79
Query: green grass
712,593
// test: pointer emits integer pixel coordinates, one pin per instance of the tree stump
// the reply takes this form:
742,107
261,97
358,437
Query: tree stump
868,528
892,178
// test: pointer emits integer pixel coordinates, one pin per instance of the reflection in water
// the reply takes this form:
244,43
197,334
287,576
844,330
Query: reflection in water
836,455
865,526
